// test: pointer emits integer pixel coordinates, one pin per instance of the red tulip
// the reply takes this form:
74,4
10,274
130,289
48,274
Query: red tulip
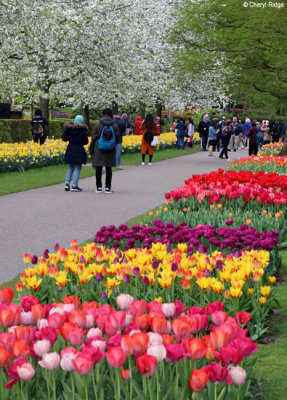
4,356
96,353
219,317
25,333
125,374
48,333
242,318
140,342
78,317
20,348
146,364
56,320
141,321
198,380
83,363
159,324
217,373
71,300
174,352
6,295
218,337
118,319
181,329
72,333
127,344
28,301
196,348
9,318
116,357
38,311
138,307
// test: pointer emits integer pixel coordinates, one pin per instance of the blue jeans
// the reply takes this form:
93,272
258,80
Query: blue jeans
180,142
118,154
76,168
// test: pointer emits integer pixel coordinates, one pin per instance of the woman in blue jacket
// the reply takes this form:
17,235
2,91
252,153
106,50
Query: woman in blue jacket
77,136
180,126
212,136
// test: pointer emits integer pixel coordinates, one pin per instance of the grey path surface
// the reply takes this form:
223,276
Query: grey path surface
35,220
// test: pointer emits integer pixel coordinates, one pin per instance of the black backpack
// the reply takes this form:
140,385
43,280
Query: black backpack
37,128
148,136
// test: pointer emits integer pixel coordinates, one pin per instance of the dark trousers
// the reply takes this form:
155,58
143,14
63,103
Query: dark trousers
225,142
253,148
180,142
108,177
204,140
38,138
218,144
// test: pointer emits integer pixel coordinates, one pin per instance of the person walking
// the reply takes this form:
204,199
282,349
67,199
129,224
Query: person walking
190,132
225,137
247,126
212,135
265,130
203,131
252,133
149,129
180,126
122,132
77,136
105,136
38,124
235,135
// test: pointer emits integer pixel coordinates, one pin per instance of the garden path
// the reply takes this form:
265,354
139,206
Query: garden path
34,220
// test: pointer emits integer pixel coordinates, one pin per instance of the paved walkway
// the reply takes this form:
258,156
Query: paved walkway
35,220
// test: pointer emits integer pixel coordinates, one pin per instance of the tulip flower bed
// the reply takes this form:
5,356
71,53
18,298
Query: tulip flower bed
202,237
264,163
69,350
271,148
23,156
241,280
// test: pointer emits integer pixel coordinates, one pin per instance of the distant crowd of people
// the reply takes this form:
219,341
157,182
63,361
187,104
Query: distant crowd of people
234,134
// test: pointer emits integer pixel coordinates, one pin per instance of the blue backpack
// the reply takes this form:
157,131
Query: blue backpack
107,139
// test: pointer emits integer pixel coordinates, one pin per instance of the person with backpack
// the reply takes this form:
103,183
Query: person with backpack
225,137
148,130
38,124
105,137
77,136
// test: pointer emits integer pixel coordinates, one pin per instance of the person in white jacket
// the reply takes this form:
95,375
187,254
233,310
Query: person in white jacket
190,132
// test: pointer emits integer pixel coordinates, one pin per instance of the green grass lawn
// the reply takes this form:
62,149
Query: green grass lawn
13,182
271,363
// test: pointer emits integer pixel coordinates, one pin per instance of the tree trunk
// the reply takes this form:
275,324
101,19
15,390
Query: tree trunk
115,107
142,109
283,152
158,108
44,106
86,114
170,115
51,111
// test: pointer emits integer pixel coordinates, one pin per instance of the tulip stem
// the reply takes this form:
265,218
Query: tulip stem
149,388
131,383
72,385
157,384
54,386
118,384
94,384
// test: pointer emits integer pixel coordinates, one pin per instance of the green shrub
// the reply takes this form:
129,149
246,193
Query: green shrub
20,130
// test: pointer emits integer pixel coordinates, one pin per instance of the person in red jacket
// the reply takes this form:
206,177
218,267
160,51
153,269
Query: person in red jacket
148,125
138,123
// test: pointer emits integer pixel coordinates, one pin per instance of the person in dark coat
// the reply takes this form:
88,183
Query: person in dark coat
38,124
100,158
75,156
180,126
252,133
203,129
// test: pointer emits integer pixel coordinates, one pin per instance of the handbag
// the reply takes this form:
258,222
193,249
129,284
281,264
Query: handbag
155,141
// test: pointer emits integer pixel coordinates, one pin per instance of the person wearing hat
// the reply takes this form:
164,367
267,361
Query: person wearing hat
77,136
38,124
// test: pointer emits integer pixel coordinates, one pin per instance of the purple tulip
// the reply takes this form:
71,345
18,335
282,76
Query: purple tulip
174,267
103,295
46,254
34,260
229,222
154,264
99,277
145,280
136,271
127,279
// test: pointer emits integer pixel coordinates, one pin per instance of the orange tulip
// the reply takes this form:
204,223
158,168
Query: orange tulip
198,380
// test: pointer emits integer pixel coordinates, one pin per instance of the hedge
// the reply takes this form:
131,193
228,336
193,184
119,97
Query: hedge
19,130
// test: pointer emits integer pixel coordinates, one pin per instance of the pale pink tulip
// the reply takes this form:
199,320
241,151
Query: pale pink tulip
42,347
168,309
124,301
94,332
237,375
159,352
26,372
50,361
26,318
155,339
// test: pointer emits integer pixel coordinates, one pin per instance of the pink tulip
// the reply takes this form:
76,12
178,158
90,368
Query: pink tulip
50,361
83,363
93,332
154,339
26,371
159,352
237,375
168,309
67,356
26,318
124,301
41,347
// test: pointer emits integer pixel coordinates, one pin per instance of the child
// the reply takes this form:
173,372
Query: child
77,136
